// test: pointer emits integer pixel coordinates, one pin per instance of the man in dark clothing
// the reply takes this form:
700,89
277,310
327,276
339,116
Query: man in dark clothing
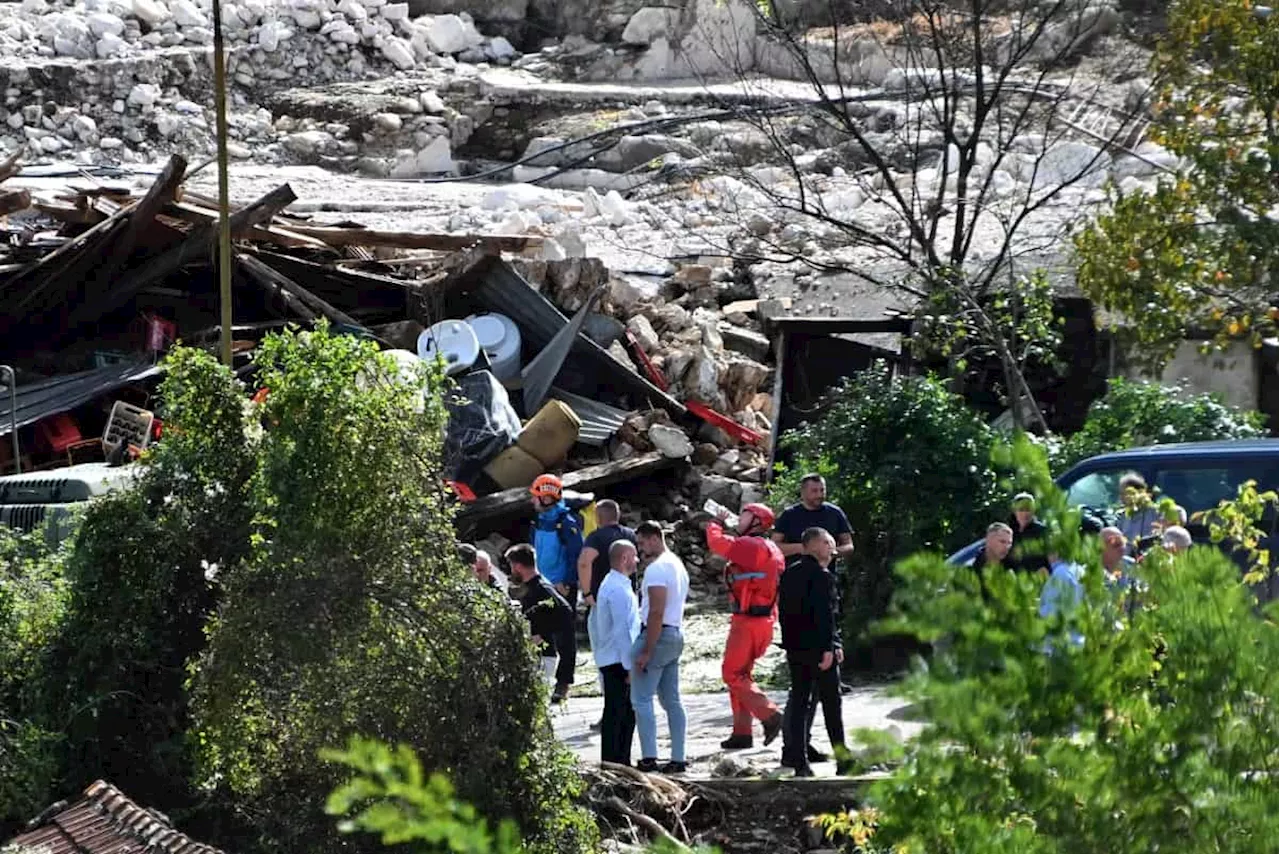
814,511
548,613
812,642
1029,533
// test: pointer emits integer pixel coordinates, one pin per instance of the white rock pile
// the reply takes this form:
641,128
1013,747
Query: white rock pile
129,80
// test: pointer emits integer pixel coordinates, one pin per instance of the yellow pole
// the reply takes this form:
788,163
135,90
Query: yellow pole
224,201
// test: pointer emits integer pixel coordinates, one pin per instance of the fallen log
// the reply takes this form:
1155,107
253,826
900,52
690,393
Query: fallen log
490,243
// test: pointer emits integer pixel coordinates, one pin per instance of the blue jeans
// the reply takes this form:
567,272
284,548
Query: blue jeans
661,677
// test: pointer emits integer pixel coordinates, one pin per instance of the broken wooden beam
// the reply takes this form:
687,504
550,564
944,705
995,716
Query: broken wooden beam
12,201
198,245
516,500
490,243
9,167
274,291
261,272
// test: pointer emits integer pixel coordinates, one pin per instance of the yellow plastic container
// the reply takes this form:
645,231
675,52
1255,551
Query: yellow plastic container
551,433
514,467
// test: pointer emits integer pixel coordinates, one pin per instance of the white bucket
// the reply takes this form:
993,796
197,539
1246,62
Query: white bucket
454,341
499,337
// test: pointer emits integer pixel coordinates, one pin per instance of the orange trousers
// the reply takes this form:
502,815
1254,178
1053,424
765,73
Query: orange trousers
749,639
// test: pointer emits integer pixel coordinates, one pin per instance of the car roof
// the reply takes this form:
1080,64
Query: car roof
1220,448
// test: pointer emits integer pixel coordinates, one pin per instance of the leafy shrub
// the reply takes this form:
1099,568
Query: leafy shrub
113,677
1134,414
350,614
909,463
1158,732
32,599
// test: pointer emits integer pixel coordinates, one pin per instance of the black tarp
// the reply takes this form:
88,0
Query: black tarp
38,401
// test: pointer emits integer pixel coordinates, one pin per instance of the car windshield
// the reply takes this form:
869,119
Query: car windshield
1096,489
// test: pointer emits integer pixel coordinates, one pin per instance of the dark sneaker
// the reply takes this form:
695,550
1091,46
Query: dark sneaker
813,754
805,771
737,742
560,694
787,761
648,766
846,767
596,727
772,728
845,688
674,767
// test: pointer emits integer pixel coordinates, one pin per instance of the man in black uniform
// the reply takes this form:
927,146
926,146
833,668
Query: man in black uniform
806,610
542,605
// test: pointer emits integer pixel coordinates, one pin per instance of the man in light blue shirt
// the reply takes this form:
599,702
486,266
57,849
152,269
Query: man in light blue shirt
617,627
1062,593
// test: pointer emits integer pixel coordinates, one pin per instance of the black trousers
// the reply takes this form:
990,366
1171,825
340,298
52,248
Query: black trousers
567,644
806,678
618,725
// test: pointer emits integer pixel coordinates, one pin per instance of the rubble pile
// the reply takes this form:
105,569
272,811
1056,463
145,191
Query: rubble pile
123,81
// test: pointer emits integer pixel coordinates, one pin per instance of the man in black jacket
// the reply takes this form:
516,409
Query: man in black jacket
1029,535
546,610
806,604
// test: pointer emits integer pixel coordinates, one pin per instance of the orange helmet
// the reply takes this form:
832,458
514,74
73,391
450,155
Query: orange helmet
547,486
763,514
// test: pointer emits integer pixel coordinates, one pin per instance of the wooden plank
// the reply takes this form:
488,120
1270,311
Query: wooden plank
749,306
198,245
589,479
265,233
260,271
490,243
353,279
779,379
12,201
275,291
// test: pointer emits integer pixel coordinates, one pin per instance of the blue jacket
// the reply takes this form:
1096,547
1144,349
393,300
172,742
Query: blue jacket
555,562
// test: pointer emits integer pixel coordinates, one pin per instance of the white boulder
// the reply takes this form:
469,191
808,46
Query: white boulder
188,14
153,13
144,94
398,52
101,23
448,34
650,24
670,441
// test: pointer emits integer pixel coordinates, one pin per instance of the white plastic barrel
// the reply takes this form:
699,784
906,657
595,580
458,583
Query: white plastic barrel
499,337
454,340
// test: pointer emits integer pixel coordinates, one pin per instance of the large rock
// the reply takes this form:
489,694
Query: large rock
671,442
188,14
642,329
101,23
631,152
723,490
651,23
153,13
702,380
753,345
448,34
398,52
741,381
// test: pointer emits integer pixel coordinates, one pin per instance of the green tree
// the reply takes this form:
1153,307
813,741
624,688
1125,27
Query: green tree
1134,414
909,463
1156,731
1199,253
350,614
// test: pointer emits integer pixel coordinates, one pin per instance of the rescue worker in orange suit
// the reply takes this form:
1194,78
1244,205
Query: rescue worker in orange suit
755,564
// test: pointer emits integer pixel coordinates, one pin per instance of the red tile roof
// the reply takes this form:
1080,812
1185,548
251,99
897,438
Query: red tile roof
104,821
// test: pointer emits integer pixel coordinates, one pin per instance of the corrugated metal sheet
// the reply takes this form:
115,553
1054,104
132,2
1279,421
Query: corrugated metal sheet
497,287
60,394
599,420
105,821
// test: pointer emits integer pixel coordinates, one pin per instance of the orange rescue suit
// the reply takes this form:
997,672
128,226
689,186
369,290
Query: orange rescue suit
755,564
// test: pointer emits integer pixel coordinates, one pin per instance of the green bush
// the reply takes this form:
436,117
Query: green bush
1135,414
350,614
909,463
1157,733
32,600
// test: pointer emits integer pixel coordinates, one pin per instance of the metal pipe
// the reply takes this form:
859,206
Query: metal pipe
12,381
224,195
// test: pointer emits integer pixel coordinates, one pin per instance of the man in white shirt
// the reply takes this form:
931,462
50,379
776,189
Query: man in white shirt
617,627
657,651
